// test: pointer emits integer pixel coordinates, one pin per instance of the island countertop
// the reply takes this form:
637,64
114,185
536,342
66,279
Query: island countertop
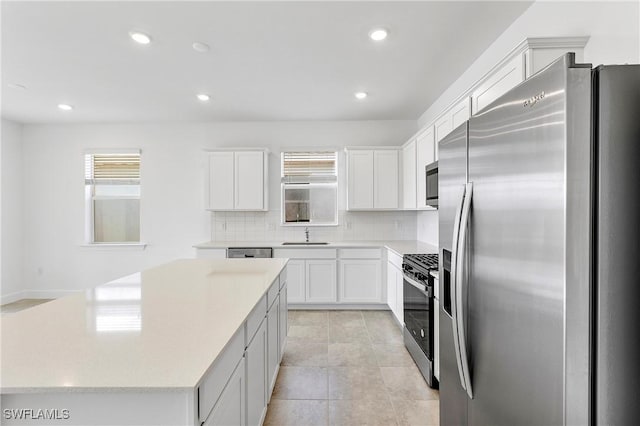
155,330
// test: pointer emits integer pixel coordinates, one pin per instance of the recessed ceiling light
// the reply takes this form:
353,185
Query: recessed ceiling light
360,95
203,97
139,37
378,34
200,47
17,86
65,107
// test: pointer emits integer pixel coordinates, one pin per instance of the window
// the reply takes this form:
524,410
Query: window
112,197
309,188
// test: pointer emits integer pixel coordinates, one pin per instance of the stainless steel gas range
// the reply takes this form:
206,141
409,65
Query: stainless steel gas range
418,301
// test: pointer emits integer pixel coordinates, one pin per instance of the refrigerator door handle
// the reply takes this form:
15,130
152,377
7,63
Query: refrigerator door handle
460,317
454,287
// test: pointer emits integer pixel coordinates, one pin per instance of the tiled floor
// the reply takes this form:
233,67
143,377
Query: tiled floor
349,368
19,305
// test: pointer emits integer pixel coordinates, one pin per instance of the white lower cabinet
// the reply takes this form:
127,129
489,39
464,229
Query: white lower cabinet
321,281
283,323
230,408
256,363
273,344
360,281
296,281
395,285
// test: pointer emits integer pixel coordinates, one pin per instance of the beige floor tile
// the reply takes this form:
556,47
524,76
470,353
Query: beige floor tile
382,331
301,383
362,412
356,383
308,318
417,413
377,315
308,333
305,354
346,318
407,383
351,354
353,334
392,355
282,412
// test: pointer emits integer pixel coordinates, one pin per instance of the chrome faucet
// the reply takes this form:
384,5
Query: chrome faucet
306,235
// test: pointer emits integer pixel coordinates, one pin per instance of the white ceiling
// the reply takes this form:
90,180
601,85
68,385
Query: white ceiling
268,60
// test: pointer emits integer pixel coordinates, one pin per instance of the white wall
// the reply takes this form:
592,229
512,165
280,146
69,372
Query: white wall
12,248
172,173
614,30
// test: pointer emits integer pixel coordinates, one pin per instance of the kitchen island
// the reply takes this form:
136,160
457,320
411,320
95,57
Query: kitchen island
189,342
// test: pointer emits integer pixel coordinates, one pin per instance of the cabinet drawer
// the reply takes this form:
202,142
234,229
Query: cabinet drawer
255,318
272,293
394,258
363,253
305,253
217,377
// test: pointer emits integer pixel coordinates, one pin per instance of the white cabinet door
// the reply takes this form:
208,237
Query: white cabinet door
391,287
230,408
385,166
220,181
461,112
256,363
443,126
360,281
249,180
211,253
425,153
499,83
273,345
409,165
283,323
296,278
399,296
321,281
360,179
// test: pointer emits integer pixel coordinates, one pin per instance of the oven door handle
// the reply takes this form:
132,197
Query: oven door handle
416,284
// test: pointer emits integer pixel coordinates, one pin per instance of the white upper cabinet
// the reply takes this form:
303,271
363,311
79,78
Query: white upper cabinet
409,165
360,179
499,83
461,112
249,180
443,126
425,154
238,180
385,184
221,181
373,179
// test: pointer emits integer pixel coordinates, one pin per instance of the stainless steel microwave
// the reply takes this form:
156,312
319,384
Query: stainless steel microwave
431,176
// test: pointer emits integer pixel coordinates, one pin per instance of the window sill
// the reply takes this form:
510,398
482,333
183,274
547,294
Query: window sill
116,246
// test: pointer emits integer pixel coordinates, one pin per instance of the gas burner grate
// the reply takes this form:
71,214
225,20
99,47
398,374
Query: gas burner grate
422,261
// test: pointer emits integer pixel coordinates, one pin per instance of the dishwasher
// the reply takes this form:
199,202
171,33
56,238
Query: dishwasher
249,252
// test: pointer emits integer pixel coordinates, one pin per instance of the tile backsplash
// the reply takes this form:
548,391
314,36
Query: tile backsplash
266,226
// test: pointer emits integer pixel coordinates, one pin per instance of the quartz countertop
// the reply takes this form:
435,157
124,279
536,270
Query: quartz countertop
160,329
399,246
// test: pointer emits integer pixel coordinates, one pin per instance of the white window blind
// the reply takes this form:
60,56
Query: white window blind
306,167
110,169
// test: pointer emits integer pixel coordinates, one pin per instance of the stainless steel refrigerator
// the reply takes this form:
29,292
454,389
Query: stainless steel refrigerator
540,255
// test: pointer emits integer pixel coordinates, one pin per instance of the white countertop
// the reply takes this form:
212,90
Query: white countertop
159,329
399,246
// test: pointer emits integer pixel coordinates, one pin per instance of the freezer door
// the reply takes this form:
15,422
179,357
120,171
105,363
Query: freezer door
452,177
618,248
518,160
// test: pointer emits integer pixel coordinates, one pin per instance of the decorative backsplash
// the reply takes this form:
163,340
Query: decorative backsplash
266,226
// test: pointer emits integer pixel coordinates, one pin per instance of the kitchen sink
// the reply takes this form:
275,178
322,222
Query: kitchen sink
303,243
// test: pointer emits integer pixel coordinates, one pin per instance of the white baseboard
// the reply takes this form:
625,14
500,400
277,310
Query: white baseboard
340,306
35,294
